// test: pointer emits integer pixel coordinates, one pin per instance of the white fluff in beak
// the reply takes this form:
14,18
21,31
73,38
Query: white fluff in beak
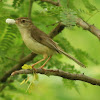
10,21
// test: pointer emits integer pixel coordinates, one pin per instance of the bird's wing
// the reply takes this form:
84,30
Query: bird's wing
44,39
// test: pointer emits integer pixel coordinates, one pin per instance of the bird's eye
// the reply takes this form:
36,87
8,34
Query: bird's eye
23,21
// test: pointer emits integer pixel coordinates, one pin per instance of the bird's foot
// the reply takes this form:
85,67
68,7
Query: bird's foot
34,69
42,68
33,65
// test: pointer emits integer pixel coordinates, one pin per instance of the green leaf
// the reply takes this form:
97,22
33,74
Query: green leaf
68,17
25,66
22,82
35,78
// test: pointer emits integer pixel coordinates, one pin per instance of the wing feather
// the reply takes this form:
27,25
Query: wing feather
43,38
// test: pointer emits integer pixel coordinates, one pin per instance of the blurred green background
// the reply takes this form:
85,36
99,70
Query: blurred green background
80,43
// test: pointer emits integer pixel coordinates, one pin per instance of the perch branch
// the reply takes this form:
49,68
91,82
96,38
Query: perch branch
62,74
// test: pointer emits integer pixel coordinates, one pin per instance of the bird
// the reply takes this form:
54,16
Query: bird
39,42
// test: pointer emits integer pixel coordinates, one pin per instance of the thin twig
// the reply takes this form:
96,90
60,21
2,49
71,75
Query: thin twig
92,16
30,8
67,3
52,24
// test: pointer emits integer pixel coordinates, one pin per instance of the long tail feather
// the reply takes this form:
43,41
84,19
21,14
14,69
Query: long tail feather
69,56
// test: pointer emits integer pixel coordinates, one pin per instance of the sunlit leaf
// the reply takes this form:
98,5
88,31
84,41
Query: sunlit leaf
25,66
35,77
22,82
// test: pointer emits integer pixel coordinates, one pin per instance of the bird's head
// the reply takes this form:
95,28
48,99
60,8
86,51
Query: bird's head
23,22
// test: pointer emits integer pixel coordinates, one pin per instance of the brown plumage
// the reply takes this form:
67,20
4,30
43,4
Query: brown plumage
39,42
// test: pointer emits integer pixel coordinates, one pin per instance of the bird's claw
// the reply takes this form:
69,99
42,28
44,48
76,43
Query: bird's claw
42,68
34,69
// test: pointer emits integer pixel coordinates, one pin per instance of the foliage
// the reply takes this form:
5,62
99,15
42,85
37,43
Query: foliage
17,3
25,66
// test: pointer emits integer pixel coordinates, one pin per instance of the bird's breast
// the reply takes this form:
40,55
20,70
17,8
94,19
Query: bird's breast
35,46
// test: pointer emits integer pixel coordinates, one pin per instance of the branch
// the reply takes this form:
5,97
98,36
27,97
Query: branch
30,8
81,22
51,2
56,30
62,74
89,27
28,58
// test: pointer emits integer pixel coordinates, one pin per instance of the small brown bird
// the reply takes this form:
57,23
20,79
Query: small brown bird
39,42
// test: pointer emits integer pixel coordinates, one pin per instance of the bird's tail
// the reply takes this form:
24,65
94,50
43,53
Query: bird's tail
69,56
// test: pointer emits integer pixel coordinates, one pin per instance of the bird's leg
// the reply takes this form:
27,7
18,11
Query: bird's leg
45,62
44,57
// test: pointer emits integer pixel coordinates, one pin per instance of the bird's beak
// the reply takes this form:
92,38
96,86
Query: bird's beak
16,21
